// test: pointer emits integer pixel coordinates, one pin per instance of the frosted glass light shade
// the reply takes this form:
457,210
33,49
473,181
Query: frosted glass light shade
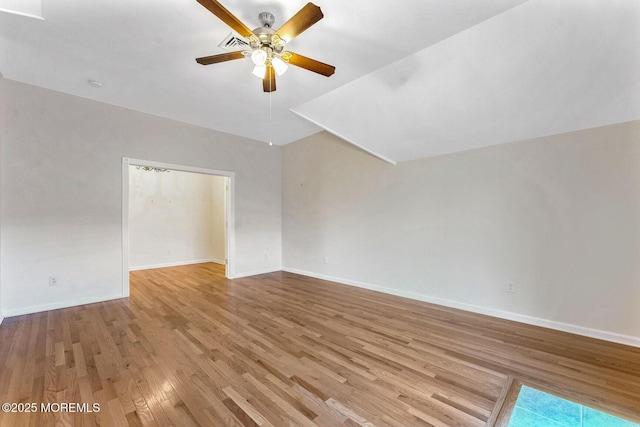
259,57
279,65
260,71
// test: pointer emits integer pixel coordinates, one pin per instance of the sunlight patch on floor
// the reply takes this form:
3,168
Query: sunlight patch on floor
535,408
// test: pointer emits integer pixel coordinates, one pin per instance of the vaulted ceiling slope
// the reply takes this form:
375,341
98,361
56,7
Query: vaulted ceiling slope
543,68
415,79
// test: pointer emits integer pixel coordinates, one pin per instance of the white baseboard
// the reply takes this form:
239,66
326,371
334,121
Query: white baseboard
1,318
536,321
255,273
174,264
218,261
58,305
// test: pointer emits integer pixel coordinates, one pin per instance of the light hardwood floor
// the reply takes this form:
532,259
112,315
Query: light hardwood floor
190,347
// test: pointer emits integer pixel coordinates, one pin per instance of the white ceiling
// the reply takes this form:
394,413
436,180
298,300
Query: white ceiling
413,78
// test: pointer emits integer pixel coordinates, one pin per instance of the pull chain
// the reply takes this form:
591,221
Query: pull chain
270,121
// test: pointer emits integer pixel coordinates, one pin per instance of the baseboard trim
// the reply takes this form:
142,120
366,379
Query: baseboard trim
255,273
174,264
1,318
507,315
59,305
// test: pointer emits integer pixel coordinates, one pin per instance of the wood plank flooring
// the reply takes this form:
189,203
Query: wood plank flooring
191,348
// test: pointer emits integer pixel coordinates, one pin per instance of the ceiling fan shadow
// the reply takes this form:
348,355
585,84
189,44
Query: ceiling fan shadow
400,73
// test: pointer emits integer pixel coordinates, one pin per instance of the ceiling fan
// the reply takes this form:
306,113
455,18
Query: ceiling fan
267,45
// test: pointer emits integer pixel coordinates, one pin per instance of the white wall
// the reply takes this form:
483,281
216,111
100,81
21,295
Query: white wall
219,219
61,193
2,128
175,218
559,216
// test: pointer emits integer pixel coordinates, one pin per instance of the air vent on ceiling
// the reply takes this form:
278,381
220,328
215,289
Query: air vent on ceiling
233,42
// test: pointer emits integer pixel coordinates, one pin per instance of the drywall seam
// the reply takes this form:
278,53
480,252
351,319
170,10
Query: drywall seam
535,321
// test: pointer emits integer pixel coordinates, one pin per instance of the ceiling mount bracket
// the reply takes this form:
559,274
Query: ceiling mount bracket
266,19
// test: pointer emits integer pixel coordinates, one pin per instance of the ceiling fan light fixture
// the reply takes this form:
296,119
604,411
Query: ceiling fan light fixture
260,70
279,65
266,46
259,57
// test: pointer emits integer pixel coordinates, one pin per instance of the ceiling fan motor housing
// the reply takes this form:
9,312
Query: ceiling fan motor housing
266,39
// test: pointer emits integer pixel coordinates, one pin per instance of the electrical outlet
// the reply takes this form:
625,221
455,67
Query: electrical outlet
511,287
325,260
53,281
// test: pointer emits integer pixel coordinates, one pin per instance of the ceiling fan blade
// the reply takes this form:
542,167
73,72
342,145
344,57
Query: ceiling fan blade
214,59
227,17
269,81
311,64
306,17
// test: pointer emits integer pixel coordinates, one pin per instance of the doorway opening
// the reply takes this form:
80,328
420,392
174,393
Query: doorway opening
177,215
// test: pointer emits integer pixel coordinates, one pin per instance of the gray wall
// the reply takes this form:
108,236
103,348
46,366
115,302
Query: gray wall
61,193
557,216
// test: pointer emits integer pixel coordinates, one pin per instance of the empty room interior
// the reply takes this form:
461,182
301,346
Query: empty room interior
270,213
